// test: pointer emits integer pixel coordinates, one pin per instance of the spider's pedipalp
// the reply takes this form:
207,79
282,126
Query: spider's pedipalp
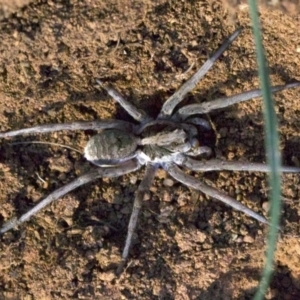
207,107
221,165
143,188
138,114
190,84
80,125
190,181
116,171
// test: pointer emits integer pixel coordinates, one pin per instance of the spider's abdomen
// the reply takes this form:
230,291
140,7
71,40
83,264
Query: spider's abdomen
110,146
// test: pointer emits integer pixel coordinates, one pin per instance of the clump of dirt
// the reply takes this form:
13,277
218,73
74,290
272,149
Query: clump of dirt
7,7
187,246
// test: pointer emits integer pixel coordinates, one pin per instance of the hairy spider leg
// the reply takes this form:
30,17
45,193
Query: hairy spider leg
223,165
190,84
138,114
128,167
190,181
143,188
80,125
207,107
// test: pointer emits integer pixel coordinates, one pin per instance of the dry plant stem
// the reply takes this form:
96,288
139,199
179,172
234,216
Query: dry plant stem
190,84
190,181
81,125
143,188
221,165
116,171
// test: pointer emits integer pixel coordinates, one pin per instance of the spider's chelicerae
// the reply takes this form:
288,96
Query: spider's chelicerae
172,141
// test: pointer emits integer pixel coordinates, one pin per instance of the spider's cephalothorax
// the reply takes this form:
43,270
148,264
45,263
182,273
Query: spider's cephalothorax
172,141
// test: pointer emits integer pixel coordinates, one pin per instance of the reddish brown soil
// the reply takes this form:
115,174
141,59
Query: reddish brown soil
187,246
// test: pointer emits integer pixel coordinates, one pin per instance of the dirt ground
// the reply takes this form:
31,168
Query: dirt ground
187,246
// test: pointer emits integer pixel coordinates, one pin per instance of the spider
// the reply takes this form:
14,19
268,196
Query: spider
172,141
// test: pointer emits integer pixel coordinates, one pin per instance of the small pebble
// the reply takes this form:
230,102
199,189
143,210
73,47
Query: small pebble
182,200
248,239
90,255
266,206
60,164
147,197
168,182
234,236
133,179
230,155
107,276
243,230
206,246
161,173
167,197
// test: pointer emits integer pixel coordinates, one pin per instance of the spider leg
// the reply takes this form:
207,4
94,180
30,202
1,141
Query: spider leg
81,125
190,181
207,107
200,122
223,165
143,188
138,114
189,85
115,171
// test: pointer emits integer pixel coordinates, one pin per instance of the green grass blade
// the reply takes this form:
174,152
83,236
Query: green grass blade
272,151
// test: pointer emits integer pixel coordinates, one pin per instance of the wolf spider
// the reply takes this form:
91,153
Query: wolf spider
171,141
